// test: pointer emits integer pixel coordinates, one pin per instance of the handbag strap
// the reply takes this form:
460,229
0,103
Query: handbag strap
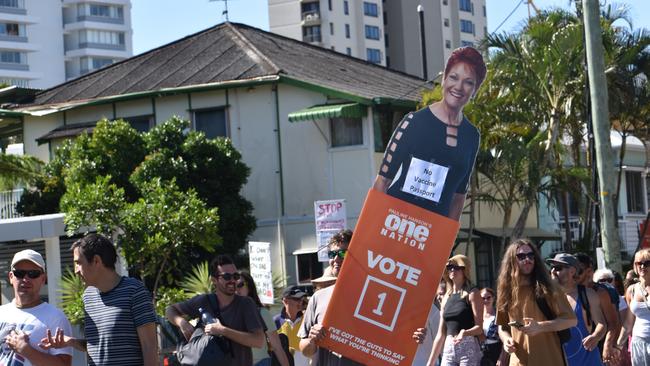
214,304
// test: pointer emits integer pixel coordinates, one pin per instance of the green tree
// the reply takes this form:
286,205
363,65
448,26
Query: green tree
17,169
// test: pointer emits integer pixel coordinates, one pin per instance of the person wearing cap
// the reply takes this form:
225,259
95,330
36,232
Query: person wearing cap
26,319
582,347
523,284
120,321
326,280
289,321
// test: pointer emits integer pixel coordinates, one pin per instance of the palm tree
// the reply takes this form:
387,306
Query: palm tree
17,169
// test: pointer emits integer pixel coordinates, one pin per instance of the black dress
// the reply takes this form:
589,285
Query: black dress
424,170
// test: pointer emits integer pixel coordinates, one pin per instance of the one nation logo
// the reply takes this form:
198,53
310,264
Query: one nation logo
406,229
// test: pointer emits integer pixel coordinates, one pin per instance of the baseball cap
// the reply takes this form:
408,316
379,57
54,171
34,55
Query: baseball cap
565,259
28,255
294,292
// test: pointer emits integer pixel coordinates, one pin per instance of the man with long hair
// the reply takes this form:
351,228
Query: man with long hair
523,286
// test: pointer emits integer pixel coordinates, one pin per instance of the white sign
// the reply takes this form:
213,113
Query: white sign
259,254
331,218
425,179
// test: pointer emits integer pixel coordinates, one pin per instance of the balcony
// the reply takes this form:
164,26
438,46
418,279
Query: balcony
310,18
98,19
103,46
13,7
13,66
312,38
8,201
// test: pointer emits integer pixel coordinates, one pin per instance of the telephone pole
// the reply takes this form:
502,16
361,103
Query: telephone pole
600,116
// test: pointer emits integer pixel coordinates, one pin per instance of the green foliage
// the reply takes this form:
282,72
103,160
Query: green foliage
71,289
167,296
168,196
198,281
16,169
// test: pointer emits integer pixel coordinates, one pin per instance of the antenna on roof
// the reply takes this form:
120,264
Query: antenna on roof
225,12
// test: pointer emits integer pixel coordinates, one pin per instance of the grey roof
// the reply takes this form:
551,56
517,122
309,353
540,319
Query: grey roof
236,52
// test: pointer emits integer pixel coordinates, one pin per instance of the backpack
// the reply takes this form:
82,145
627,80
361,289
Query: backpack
204,349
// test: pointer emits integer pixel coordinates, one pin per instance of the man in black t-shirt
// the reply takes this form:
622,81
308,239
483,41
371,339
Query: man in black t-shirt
239,319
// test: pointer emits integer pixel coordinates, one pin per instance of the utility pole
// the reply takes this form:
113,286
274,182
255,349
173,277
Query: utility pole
600,115
423,45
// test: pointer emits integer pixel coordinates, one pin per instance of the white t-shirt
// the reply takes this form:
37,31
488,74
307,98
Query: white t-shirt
35,322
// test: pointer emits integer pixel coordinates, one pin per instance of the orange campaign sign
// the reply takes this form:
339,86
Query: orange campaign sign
385,289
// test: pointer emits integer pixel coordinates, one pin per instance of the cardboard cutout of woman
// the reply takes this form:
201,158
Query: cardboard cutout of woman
430,157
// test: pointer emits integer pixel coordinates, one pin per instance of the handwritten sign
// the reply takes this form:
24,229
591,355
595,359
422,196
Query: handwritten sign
259,254
330,219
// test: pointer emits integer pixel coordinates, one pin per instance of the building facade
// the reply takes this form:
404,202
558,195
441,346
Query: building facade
385,32
353,27
448,24
44,43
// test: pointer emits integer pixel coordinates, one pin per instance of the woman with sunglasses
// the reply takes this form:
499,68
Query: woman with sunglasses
461,318
261,357
492,344
638,318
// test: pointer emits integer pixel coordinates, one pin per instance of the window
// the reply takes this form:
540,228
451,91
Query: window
448,44
23,83
386,40
385,19
444,2
372,32
12,57
310,8
311,34
465,5
12,29
93,63
102,37
484,12
12,4
467,44
466,26
140,123
212,122
370,9
346,131
347,31
373,55
348,51
100,10
635,192
329,5
446,22
331,28
308,267
346,8
387,61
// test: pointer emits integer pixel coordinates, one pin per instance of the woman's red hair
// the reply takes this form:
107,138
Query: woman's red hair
472,58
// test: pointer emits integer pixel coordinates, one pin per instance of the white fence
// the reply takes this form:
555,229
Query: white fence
8,201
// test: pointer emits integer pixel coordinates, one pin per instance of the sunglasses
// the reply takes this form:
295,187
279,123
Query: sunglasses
453,267
608,280
334,253
241,284
486,297
524,256
644,264
32,273
230,276
557,268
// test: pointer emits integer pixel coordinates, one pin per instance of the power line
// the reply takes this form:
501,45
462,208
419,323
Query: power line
509,15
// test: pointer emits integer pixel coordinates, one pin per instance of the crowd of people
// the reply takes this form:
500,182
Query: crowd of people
559,313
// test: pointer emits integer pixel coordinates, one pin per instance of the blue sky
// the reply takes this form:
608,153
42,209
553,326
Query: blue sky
158,22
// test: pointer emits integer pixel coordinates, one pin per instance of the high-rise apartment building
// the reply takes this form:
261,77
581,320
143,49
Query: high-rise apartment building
448,24
353,27
46,42
383,31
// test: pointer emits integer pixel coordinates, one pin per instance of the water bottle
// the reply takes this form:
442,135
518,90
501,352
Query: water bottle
206,317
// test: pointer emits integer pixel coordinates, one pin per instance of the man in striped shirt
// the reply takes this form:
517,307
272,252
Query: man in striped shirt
120,321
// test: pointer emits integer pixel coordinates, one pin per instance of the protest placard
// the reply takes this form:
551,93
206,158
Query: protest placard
259,254
330,217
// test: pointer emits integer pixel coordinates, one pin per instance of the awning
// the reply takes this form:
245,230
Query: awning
67,131
346,110
532,233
